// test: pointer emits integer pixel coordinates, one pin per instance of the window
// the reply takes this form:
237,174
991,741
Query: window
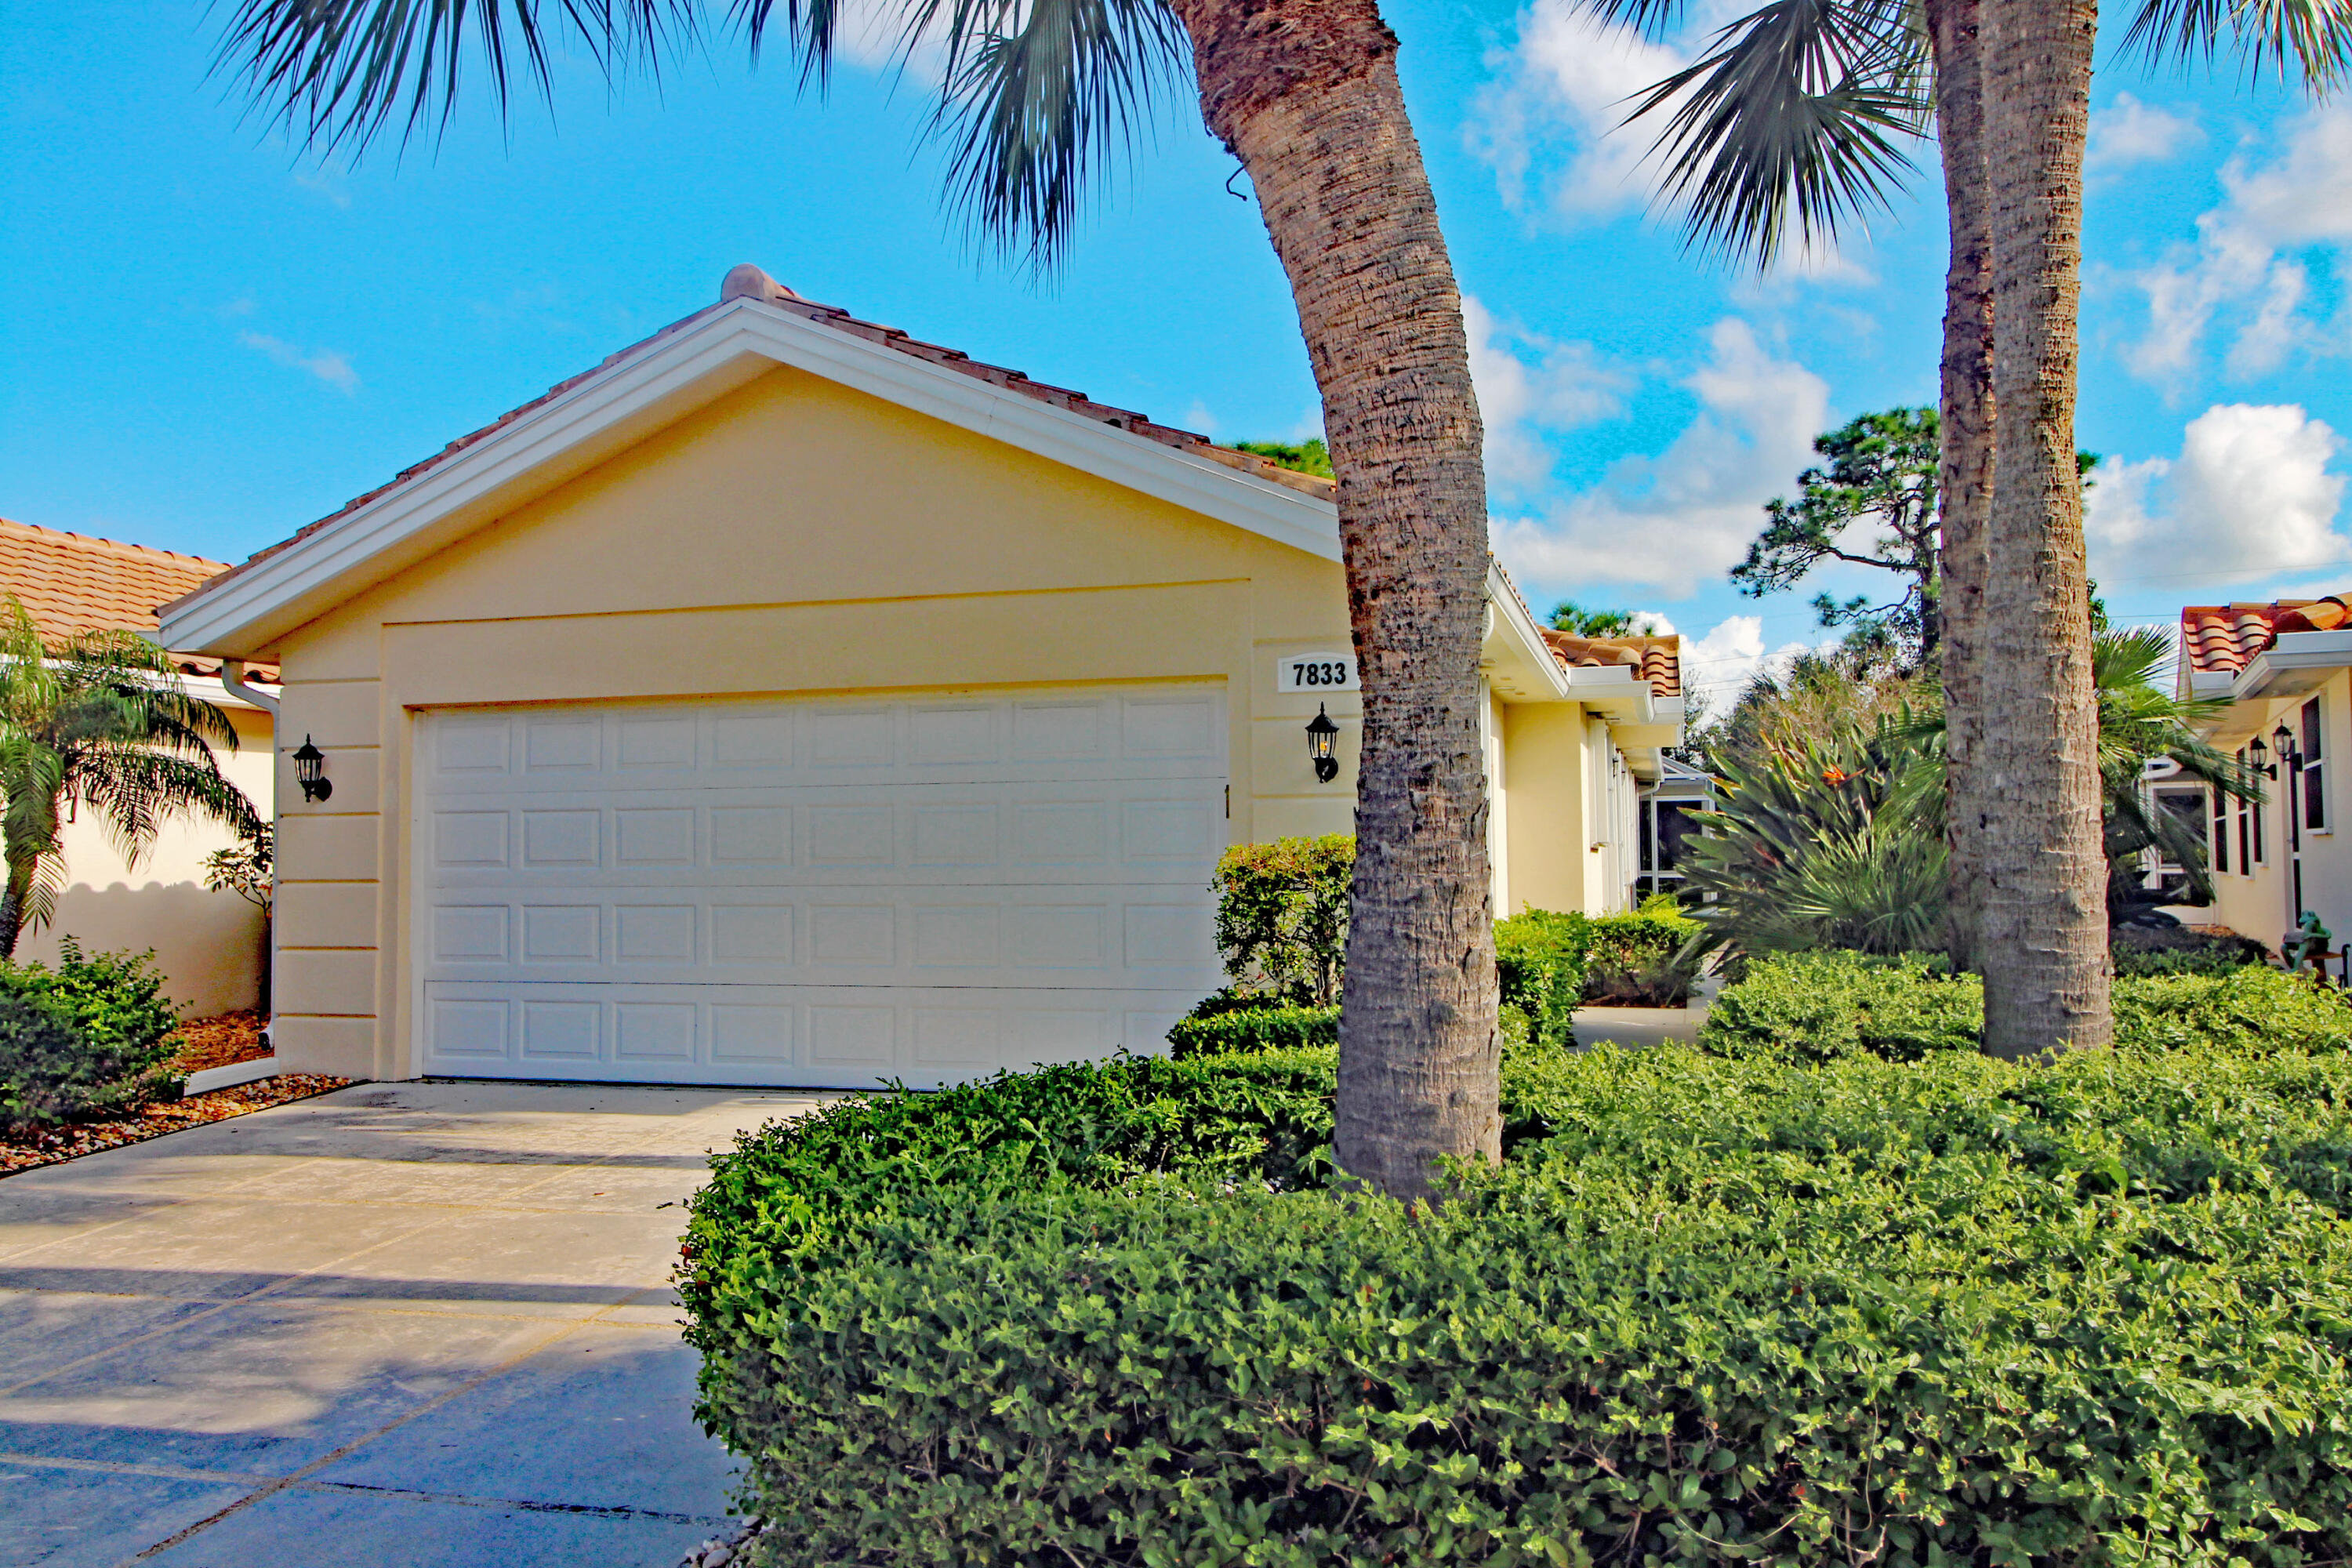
2185,804
2250,829
2219,831
2315,771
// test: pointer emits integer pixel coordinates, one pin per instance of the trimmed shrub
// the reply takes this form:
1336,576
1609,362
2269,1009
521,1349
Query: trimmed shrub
1954,1310
1540,959
2182,950
1639,959
90,1037
1282,916
1817,1006
1255,1029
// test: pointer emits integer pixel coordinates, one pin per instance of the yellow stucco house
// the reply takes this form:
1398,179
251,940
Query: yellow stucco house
2283,665
207,945
788,700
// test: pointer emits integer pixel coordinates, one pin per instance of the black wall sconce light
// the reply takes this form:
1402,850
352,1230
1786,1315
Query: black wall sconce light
311,770
1322,735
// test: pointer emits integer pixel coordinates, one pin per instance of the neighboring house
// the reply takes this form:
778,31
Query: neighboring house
1669,808
2288,663
788,700
207,945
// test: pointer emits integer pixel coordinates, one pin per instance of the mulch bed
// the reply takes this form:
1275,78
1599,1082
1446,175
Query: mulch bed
51,1145
220,1042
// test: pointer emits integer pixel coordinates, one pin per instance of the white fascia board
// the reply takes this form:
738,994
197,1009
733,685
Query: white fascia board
1620,692
667,378
2287,667
1515,640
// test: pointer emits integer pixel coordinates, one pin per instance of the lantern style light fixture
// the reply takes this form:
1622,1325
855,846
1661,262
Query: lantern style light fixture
1322,735
311,770
2259,757
2282,741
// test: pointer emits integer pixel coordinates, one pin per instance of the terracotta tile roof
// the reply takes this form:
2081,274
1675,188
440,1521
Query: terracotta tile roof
71,583
1658,659
2225,637
750,283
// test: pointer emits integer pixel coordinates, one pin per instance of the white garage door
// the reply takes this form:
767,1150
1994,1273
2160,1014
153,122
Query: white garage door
830,893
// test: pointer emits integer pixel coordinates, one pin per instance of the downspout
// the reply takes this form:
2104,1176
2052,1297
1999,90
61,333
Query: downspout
233,682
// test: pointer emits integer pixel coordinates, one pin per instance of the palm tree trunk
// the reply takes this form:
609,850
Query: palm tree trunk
1304,93
2041,938
1964,480
12,908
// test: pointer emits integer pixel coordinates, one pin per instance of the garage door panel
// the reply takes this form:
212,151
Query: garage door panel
824,1036
832,893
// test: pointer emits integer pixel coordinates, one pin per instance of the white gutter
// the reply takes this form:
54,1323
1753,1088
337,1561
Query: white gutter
233,682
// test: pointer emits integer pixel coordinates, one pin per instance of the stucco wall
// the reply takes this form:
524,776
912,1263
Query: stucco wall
794,538
209,944
2261,905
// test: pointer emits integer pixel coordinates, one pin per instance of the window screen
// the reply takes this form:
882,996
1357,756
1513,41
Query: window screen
2314,770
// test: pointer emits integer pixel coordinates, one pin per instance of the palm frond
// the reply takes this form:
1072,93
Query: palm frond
133,790
1792,124
2313,37
334,73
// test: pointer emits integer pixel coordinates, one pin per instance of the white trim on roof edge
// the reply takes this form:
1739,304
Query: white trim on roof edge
698,361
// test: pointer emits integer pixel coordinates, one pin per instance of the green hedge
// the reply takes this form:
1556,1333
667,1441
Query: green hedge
1540,958
1814,1007
1713,1310
1636,959
90,1037
1255,1029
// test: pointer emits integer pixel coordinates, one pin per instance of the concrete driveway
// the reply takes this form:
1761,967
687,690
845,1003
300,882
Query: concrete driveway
423,1323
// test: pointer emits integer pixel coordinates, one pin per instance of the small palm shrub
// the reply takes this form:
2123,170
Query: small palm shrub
90,1037
1830,845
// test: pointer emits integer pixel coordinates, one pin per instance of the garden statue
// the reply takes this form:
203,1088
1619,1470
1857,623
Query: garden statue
2305,947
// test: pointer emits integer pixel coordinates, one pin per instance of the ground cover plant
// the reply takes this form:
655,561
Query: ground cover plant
1769,1298
90,1037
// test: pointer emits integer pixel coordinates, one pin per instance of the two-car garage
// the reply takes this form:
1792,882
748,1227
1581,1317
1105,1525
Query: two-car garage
831,893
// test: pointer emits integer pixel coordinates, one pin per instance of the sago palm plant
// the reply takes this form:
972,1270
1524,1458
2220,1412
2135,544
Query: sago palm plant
1035,98
100,722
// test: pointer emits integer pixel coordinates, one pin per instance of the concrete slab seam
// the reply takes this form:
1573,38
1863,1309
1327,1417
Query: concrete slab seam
307,1471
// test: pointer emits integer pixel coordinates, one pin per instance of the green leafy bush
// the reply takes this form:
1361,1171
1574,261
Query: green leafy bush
1282,916
2182,950
90,1037
1642,959
1817,1006
1540,959
1255,1029
1954,1310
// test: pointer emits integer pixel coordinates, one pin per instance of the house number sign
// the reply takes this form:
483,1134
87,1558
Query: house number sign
1314,672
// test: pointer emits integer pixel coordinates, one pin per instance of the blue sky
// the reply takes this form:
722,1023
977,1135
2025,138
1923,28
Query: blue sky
211,338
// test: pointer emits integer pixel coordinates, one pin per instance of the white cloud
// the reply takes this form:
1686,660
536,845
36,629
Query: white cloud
2238,268
1568,79
2128,131
332,368
1667,521
1552,118
1527,385
1718,666
2250,494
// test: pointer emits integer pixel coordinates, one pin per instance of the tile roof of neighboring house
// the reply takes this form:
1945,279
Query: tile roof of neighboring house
71,583
750,283
2226,637
1659,658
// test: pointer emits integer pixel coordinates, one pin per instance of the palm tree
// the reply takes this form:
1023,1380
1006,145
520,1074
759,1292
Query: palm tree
1795,124
1034,99
100,722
